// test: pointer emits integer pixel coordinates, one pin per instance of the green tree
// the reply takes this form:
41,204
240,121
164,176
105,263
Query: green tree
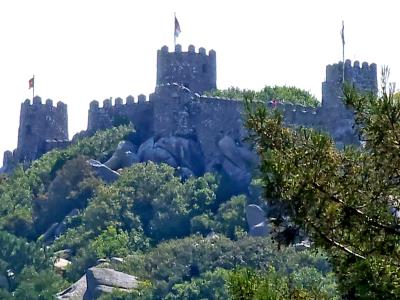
289,94
192,267
231,216
111,243
248,284
42,285
347,201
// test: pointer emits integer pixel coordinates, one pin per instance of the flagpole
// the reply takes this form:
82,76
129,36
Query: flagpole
33,87
174,31
343,49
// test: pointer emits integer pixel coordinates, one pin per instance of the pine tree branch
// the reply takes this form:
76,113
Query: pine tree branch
387,228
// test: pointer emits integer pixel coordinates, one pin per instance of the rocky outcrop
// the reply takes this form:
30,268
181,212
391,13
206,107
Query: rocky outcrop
102,171
238,162
102,280
75,291
124,156
4,282
175,151
61,264
255,217
96,282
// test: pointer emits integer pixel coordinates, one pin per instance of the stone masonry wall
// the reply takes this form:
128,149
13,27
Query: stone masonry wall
38,123
176,109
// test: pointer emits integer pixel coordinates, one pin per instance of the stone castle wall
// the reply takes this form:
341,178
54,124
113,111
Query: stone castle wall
140,113
177,110
40,123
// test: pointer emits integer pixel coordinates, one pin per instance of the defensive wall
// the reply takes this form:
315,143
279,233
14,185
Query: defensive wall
177,108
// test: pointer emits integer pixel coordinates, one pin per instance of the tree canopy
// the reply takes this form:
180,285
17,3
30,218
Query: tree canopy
268,93
347,200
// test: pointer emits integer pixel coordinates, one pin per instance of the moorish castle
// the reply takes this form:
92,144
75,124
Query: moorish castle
182,127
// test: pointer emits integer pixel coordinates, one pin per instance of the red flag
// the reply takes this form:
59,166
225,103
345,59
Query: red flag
177,27
32,82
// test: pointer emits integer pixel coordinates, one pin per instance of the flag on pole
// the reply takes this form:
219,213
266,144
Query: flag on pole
342,33
32,83
177,27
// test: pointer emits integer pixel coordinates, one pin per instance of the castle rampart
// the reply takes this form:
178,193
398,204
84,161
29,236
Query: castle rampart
139,113
176,117
194,70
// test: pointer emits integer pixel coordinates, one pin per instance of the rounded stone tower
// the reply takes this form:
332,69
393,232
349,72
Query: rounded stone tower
195,70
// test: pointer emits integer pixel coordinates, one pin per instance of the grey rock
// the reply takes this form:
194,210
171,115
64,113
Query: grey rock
116,260
75,291
103,280
237,162
102,261
62,227
4,282
102,171
185,173
123,157
49,234
174,151
65,253
61,264
254,215
240,178
261,229
149,151
186,152
303,245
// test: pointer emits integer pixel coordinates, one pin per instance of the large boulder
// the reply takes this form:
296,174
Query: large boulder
175,151
62,227
75,291
186,152
237,163
4,282
102,171
96,282
49,235
123,157
103,280
255,217
61,264
148,151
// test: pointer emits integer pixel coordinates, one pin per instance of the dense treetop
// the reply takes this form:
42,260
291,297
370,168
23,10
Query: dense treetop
289,94
347,200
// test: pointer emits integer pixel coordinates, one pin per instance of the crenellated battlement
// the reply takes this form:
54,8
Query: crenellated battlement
178,108
118,103
362,77
48,105
40,122
194,70
191,50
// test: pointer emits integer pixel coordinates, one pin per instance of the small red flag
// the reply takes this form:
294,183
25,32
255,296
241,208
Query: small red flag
32,82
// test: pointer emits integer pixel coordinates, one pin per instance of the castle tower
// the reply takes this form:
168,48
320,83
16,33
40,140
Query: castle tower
363,78
38,124
195,70
336,118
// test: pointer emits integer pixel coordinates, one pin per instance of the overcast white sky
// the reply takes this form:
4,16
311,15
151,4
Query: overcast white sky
81,50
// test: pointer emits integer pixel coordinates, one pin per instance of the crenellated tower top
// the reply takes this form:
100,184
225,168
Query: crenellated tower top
195,70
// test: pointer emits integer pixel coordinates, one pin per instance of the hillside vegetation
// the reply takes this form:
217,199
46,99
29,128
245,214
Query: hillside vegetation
179,237
348,201
289,94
